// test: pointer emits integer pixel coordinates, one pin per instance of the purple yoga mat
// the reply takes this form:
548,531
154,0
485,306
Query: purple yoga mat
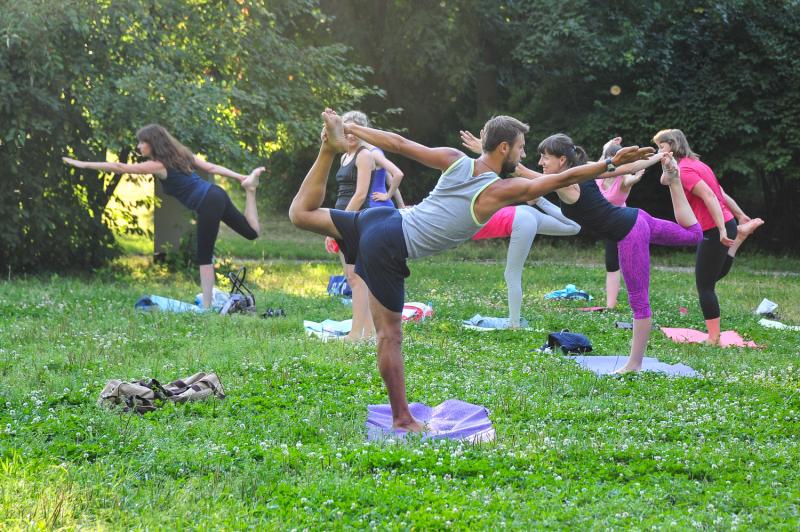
452,420
605,365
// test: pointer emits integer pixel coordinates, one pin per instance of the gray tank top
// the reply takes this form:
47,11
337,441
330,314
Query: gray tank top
445,218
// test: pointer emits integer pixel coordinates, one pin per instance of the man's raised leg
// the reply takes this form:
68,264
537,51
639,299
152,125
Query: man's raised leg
389,331
305,211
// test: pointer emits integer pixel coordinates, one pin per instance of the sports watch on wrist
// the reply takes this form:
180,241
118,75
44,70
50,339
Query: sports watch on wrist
610,167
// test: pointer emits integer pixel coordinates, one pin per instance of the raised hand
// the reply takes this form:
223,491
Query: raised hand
471,142
631,154
73,162
724,240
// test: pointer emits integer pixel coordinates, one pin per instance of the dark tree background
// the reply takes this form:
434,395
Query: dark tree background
244,81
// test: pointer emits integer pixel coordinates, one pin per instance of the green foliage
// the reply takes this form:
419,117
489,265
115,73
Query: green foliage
719,71
723,71
232,81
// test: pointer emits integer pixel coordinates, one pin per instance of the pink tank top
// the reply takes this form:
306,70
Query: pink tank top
614,195
499,225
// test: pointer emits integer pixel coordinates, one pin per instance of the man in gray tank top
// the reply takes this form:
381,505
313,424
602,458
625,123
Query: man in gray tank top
379,240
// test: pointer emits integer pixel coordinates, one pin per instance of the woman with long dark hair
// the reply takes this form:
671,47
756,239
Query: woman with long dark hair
175,166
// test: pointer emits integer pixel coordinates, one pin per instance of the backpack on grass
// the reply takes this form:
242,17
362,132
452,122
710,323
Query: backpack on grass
569,342
144,395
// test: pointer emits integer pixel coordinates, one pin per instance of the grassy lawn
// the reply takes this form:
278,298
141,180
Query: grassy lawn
286,448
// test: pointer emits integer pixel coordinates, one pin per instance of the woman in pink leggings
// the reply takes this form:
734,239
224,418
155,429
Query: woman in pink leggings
616,190
633,229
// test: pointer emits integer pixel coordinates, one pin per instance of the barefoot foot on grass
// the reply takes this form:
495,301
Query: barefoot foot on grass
411,425
626,369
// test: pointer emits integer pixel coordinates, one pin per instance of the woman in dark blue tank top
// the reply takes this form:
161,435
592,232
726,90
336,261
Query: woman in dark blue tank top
633,229
173,164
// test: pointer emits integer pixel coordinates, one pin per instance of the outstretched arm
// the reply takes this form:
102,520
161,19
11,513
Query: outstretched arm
438,158
215,169
630,180
147,167
519,189
527,173
632,168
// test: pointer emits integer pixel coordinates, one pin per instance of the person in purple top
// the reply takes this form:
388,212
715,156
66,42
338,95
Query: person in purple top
174,165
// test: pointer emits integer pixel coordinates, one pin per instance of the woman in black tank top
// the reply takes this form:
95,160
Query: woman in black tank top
354,179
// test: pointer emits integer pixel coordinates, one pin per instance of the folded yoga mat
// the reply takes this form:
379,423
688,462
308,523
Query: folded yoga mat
452,420
328,329
484,323
605,365
726,338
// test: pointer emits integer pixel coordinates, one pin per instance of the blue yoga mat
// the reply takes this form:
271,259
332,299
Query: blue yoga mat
605,365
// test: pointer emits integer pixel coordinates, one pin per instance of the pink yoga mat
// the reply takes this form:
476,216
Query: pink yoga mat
726,338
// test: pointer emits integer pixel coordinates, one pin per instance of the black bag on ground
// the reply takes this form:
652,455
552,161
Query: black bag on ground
569,342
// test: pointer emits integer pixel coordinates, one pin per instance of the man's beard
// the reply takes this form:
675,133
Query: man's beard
508,168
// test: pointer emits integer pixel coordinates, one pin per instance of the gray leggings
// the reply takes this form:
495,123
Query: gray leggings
529,221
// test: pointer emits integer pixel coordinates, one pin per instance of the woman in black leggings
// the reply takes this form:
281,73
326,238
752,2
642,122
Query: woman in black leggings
174,165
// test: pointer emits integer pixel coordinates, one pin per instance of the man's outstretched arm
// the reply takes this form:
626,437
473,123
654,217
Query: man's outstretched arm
439,158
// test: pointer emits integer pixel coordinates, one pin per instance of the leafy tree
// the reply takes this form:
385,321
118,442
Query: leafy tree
234,80
719,71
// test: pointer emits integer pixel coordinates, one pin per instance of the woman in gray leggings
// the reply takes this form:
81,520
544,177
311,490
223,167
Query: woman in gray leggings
522,223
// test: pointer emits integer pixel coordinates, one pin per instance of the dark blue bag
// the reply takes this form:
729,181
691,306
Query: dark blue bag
569,342
337,286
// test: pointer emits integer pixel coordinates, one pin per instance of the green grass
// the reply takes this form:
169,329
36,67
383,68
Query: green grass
286,448
281,240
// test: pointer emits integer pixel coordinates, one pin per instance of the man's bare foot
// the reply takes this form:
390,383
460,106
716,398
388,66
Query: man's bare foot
409,426
250,182
748,228
334,130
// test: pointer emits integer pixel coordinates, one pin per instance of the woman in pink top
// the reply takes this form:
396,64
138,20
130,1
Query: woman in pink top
616,190
522,223
715,211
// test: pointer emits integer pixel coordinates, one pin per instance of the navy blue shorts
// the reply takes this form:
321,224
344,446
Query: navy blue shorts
373,241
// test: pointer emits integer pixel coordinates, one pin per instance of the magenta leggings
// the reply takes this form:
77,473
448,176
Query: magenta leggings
634,255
